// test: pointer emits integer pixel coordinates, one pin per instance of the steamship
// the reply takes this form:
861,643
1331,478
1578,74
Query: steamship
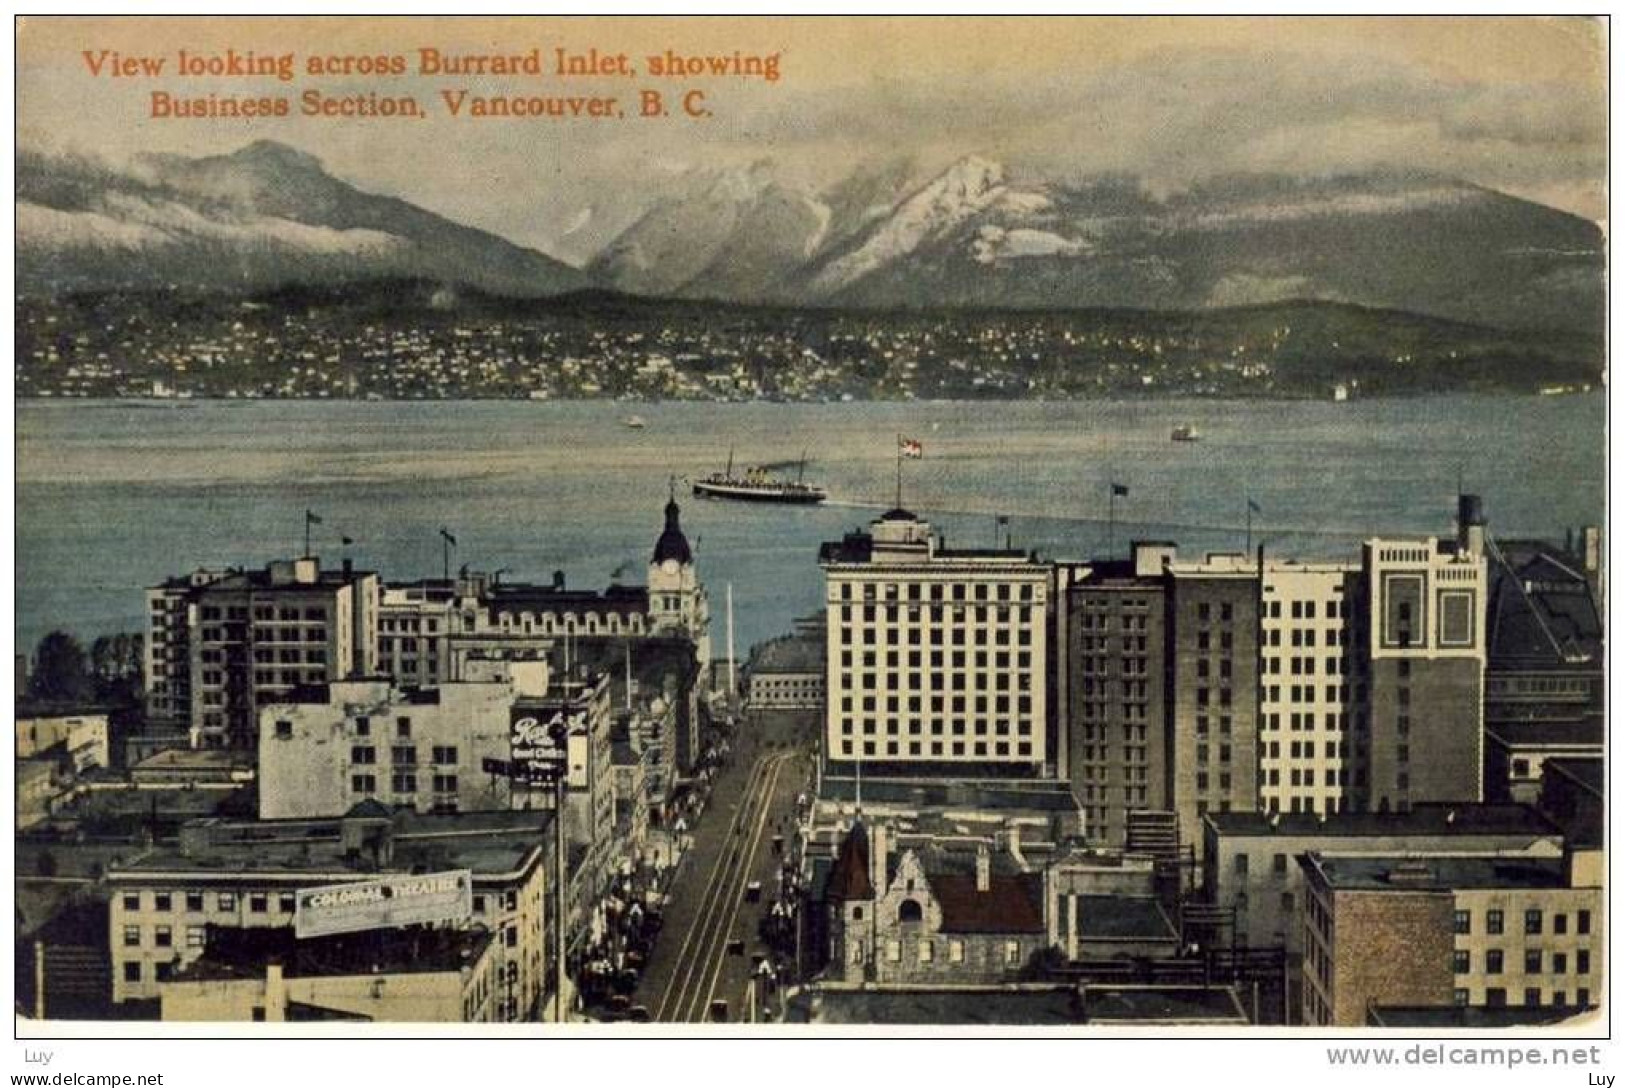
759,485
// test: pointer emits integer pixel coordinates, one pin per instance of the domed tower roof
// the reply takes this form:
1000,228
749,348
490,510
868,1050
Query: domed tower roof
672,543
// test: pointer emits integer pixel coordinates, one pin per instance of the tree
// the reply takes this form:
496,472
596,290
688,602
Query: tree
116,666
61,672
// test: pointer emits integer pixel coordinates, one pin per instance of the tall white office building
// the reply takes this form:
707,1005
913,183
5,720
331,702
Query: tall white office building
936,656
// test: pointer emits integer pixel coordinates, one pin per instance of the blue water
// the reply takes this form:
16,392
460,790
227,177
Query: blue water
113,496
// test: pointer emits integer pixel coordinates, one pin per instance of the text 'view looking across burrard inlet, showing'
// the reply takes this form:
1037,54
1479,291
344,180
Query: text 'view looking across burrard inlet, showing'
1117,547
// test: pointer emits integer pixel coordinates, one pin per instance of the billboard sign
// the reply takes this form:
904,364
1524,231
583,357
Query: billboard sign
385,903
538,742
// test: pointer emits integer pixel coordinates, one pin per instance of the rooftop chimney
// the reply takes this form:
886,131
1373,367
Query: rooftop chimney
1470,524
1150,555
558,580
1591,545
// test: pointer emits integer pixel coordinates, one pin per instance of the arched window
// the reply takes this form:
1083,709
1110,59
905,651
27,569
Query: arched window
857,914
909,911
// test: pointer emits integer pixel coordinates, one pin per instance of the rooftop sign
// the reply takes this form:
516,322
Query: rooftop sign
384,903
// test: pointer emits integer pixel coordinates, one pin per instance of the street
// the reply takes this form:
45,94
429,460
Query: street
752,804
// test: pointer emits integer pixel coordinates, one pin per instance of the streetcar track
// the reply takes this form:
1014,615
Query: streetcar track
709,932
683,971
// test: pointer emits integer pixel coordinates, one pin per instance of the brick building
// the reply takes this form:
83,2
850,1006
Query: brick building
1432,930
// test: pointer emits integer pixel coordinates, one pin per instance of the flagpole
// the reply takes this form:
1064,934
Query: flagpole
1111,521
1249,547
899,471
307,534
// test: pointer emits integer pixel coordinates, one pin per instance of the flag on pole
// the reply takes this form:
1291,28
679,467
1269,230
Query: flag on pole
1119,491
1003,519
1254,507
346,541
448,538
911,448
312,519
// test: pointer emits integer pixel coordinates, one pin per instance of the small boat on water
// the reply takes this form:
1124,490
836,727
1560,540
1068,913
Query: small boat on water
635,423
759,485
1185,432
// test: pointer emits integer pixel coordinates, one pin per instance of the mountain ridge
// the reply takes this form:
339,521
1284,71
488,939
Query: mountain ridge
264,214
884,235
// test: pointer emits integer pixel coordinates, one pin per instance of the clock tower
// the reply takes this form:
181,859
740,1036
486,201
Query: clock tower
676,598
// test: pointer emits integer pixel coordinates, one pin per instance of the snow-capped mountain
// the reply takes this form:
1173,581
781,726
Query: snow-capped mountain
265,215
735,233
979,234
967,189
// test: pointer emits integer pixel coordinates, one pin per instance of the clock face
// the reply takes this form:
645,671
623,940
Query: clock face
669,566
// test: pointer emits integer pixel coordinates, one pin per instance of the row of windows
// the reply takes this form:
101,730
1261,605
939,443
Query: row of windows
1097,711
998,617
408,626
1100,621
1128,774
1306,638
956,704
936,681
1495,997
941,748
1101,666
402,783
1132,753
548,623
957,727
937,635
264,613
1535,962
1132,689
926,952
1303,721
365,754
197,902
1534,921
1301,666
937,591
959,659
1302,609
403,726
1305,693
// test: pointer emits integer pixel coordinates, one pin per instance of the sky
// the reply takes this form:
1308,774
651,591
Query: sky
1515,104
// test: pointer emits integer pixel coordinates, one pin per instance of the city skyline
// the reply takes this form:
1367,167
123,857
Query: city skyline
540,526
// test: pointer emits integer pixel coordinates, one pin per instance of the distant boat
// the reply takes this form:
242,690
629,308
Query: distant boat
636,423
1185,432
758,485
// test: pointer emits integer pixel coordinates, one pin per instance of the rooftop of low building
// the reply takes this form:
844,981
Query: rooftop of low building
1542,612
959,1007
1124,918
795,653
195,760
964,794
1587,772
1435,872
235,952
1428,819
492,843
1588,731
1162,1005
1473,1016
